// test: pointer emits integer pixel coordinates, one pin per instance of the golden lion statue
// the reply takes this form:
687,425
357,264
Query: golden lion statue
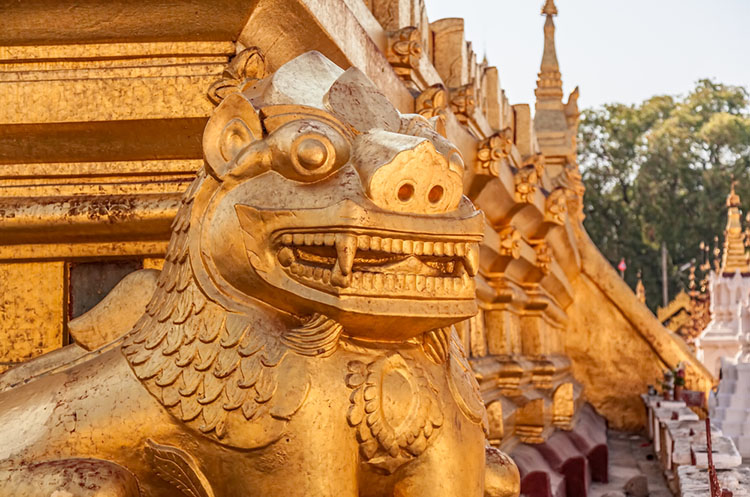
298,341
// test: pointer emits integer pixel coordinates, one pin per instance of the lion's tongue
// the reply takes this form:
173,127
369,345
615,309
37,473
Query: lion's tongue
410,265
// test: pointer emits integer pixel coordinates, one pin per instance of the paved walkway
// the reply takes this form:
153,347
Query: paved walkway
631,455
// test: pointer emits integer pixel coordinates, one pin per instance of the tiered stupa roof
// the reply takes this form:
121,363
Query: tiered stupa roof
734,257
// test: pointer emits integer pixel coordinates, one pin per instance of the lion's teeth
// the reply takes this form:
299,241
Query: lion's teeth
338,278
471,259
346,248
428,248
329,239
286,256
375,243
411,281
385,245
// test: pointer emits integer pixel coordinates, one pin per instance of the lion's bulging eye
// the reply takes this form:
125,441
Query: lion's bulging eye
307,150
311,153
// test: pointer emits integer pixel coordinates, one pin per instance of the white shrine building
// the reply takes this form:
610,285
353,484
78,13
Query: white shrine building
730,297
725,343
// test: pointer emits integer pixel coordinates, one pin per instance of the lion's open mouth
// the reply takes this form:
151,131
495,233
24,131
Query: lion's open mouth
375,264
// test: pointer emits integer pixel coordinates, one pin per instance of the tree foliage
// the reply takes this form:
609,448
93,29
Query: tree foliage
659,172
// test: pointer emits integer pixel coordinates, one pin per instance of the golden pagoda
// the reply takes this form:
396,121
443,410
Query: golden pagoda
125,250
734,258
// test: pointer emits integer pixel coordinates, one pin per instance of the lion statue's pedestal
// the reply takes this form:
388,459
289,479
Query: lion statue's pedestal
299,339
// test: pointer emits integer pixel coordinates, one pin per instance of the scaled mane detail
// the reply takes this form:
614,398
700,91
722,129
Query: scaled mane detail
200,361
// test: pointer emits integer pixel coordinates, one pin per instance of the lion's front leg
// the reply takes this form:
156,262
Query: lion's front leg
316,458
68,478
453,466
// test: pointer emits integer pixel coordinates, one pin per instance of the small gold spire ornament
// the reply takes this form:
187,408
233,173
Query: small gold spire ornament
640,290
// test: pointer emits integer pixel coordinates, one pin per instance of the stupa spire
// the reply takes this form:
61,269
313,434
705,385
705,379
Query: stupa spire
549,8
549,84
734,257
640,289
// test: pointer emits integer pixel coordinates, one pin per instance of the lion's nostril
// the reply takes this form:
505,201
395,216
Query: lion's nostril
435,194
405,192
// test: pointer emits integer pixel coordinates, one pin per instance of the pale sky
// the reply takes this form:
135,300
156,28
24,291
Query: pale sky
616,51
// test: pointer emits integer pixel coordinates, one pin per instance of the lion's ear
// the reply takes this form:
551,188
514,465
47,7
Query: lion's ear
233,126
438,124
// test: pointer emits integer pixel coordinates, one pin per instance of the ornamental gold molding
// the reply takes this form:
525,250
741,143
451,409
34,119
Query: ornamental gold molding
563,406
537,162
526,182
463,102
493,150
404,50
385,442
432,102
245,68
543,256
510,242
556,205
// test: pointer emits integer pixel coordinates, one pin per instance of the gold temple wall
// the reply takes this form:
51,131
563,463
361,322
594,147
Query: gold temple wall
100,133
32,310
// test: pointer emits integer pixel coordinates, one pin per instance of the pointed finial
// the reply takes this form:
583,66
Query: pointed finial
733,200
549,84
640,290
734,258
691,280
549,8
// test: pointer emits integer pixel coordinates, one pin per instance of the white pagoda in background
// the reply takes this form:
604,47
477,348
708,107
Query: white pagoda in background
730,297
725,343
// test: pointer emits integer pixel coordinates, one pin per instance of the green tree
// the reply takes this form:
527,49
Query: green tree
659,172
